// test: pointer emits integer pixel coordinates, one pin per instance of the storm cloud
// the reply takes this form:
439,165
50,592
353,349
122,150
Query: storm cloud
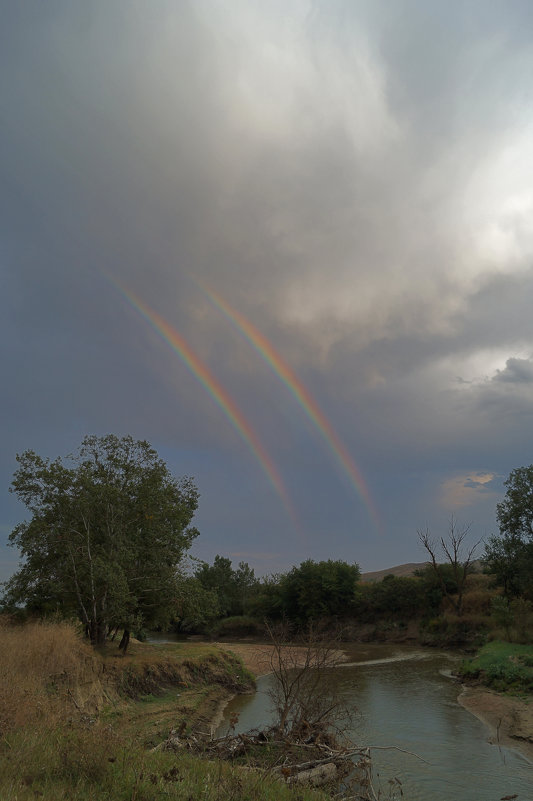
353,178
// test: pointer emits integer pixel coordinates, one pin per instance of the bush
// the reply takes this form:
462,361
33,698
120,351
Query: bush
502,666
239,626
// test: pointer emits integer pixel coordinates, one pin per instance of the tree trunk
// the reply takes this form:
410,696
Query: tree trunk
123,644
101,632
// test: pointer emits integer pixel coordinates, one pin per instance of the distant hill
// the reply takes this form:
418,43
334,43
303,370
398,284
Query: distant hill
409,570
399,570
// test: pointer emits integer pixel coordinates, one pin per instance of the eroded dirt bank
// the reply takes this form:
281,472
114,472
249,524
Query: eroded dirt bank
509,719
258,658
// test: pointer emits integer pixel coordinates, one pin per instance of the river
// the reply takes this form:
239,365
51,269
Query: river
406,698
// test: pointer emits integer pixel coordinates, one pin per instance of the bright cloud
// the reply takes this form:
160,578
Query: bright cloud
464,490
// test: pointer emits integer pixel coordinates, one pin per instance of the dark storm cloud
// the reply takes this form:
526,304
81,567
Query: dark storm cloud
353,178
517,371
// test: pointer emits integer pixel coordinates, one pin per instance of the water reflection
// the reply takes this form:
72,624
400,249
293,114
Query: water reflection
406,699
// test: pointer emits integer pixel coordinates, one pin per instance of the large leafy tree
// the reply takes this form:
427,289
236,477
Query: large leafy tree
233,588
510,555
109,526
315,590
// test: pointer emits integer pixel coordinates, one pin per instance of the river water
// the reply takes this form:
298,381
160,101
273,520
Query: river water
405,697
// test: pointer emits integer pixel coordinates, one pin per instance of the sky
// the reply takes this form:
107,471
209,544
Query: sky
290,244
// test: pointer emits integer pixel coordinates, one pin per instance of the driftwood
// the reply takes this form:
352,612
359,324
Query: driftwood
315,764
315,776
322,764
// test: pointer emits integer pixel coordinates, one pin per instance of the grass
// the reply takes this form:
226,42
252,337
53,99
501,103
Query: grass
503,666
78,724
95,764
40,665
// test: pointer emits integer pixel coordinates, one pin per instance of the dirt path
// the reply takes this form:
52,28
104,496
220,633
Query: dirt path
509,719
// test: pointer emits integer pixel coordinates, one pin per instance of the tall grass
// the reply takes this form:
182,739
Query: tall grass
95,764
51,751
39,664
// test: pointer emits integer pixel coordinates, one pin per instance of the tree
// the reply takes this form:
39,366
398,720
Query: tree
109,526
305,698
393,598
515,512
510,556
232,587
197,607
319,589
459,557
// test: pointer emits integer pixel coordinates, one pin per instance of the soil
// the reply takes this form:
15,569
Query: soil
509,719
258,657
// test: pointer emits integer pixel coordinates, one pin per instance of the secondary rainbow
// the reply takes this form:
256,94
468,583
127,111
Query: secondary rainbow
302,395
217,392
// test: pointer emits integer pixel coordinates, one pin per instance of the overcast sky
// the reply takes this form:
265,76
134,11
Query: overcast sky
353,179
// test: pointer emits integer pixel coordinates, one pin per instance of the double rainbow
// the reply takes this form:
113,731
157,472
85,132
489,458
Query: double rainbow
217,392
302,395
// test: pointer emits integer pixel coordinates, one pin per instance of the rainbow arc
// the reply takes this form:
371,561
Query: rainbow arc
197,367
304,398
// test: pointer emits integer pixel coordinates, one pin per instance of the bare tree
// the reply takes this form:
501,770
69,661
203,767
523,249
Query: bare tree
458,555
303,693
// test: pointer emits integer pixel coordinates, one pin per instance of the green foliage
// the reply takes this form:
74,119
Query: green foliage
514,616
502,666
267,602
509,556
502,613
315,590
515,512
393,598
233,588
510,560
197,607
454,631
239,626
108,528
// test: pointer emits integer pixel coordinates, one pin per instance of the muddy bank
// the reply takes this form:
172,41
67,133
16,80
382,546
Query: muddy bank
258,657
509,719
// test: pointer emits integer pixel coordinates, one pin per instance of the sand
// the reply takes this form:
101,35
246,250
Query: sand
509,719
260,659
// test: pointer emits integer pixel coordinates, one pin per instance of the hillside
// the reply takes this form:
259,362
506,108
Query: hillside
400,570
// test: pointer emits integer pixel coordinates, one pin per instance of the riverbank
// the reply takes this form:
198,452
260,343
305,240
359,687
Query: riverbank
259,658
509,719
84,724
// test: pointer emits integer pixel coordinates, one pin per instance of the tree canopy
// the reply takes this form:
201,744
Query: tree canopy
509,556
233,588
319,589
109,526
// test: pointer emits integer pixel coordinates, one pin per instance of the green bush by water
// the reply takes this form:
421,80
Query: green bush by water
502,666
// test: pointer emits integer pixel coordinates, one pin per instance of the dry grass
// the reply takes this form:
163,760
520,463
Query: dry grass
39,662
49,751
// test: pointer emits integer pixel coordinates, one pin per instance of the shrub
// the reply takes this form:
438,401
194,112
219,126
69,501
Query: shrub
239,626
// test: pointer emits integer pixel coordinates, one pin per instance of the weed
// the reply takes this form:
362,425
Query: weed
506,667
